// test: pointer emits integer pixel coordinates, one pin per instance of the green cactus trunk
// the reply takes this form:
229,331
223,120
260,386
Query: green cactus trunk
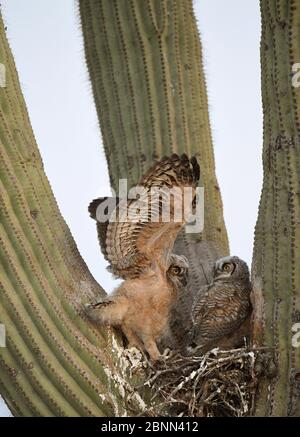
145,65
276,260
55,363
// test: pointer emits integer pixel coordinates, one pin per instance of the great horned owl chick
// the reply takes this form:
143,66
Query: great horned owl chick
140,251
141,306
221,311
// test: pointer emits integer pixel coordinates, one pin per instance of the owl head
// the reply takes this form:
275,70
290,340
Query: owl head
230,268
177,272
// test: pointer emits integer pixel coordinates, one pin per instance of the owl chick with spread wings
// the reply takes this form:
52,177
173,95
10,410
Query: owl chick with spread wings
138,240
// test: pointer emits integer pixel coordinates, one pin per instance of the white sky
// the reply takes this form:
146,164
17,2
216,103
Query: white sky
46,41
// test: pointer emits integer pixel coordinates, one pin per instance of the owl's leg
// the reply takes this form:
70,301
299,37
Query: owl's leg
109,310
151,347
132,338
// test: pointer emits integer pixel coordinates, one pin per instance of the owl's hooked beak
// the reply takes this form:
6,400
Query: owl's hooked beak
184,279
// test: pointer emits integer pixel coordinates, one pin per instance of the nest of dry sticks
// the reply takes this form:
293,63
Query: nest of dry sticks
218,383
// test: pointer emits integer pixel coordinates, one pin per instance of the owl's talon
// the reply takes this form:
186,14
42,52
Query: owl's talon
166,352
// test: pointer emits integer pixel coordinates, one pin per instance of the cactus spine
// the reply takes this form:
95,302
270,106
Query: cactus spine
276,257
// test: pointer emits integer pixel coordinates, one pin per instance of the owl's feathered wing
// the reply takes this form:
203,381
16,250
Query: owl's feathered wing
131,239
218,311
102,226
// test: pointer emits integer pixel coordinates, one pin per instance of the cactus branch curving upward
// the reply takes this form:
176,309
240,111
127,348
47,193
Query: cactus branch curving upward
54,363
276,259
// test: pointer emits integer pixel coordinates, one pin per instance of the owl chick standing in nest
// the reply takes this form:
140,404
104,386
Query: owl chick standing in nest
140,252
221,311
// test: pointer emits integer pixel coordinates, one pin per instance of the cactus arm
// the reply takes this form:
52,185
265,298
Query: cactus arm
276,250
145,63
55,363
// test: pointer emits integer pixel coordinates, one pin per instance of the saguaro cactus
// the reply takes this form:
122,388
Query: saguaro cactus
145,65
276,260
54,362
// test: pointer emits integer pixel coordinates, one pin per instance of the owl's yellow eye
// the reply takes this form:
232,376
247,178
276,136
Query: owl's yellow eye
226,267
176,270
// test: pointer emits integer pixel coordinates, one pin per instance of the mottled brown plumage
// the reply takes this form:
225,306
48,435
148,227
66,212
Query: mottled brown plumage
222,308
140,251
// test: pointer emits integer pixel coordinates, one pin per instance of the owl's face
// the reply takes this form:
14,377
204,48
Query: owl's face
177,273
231,268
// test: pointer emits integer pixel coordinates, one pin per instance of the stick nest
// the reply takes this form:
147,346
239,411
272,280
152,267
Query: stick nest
218,383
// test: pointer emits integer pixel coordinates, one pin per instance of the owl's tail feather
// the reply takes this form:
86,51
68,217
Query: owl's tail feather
110,310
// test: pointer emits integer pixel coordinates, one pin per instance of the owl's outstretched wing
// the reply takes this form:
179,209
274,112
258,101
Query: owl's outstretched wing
109,205
138,232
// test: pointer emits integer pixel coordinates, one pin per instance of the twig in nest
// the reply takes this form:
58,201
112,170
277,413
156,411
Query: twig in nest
219,383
